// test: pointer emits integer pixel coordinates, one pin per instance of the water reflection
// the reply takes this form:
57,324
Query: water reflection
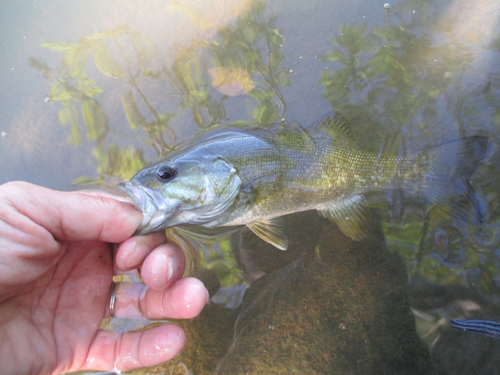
414,77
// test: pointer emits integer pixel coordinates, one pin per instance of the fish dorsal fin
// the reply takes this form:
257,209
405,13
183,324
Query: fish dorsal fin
297,140
335,121
272,231
350,216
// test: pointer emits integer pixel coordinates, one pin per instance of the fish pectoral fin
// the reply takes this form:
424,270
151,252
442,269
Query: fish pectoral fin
350,216
272,231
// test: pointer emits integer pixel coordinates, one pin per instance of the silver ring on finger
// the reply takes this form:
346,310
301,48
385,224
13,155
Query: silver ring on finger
112,299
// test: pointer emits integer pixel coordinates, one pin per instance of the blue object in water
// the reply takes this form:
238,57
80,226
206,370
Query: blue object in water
483,327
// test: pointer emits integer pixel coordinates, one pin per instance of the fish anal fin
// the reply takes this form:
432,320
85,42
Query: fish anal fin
272,231
350,216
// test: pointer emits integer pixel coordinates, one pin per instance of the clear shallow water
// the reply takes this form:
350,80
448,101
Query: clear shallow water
96,90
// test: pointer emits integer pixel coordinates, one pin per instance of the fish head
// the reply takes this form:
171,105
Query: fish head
190,190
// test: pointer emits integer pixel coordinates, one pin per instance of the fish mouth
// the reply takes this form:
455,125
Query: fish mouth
130,191
155,213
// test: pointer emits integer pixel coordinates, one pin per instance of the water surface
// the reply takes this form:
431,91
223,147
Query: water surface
94,91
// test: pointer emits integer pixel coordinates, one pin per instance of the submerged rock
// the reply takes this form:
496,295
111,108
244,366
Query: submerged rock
339,307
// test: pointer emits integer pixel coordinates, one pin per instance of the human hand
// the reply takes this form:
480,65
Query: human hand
56,268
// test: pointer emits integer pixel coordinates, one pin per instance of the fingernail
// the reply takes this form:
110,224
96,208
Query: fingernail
138,256
171,268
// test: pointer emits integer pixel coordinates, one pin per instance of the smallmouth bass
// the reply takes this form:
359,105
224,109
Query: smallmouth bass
254,176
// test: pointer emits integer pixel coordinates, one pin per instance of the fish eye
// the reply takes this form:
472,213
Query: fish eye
165,172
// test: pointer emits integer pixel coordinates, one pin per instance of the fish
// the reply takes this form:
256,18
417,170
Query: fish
488,328
244,175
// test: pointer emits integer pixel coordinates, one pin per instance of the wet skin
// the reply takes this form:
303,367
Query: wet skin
56,268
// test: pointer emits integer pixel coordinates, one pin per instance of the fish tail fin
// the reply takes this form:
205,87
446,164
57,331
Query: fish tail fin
448,182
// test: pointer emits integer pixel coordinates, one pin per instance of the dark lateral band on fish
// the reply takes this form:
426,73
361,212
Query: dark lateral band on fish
488,328
253,176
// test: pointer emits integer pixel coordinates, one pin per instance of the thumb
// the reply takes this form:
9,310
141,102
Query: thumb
73,215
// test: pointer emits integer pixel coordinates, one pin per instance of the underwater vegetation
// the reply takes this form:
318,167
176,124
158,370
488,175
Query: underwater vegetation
394,83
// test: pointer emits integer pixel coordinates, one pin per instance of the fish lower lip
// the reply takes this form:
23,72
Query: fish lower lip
135,200
145,202
141,198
